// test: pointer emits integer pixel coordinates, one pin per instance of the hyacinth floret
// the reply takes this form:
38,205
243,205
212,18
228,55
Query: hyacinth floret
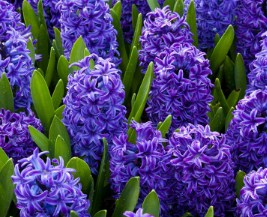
47,188
203,169
252,200
91,20
15,138
247,132
213,16
139,213
258,69
94,108
181,87
251,23
143,159
162,28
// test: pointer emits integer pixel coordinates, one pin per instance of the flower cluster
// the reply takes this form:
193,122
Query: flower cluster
258,70
15,138
247,132
91,20
162,28
181,87
94,108
14,54
144,159
126,17
203,169
51,13
250,24
213,16
252,200
139,213
47,188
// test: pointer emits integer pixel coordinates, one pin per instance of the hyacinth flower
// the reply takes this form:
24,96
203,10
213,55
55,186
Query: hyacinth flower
51,13
203,169
47,188
143,159
90,19
15,138
139,213
162,28
181,87
252,202
258,69
213,16
251,23
94,108
247,132
126,17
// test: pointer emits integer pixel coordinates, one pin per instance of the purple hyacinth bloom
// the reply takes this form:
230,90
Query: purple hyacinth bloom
45,188
250,24
203,169
15,138
94,108
252,202
51,13
258,70
247,132
181,87
213,16
126,17
143,159
139,213
90,19
162,28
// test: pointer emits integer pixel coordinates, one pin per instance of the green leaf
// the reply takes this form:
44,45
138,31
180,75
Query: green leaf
58,94
165,126
51,68
233,98
30,18
129,73
218,122
58,42
84,173
6,94
42,100
120,39
3,158
192,21
228,73
101,213
137,32
128,198
101,179
41,14
62,149
221,96
228,118
58,128
59,111
6,187
134,15
142,95
240,75
117,8
63,69
187,214
77,53
73,214
221,49
40,139
239,182
179,7
31,49
171,3
151,204
153,4
210,212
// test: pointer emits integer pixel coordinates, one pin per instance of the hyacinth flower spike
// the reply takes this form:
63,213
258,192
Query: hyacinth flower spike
139,213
